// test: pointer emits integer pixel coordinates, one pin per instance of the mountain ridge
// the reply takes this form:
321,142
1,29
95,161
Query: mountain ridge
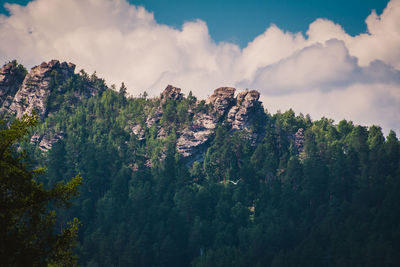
38,87
178,181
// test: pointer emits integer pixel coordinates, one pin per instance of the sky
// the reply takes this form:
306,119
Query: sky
338,59
239,21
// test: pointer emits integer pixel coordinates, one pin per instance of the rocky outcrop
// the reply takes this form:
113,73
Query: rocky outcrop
138,131
45,141
11,77
240,116
171,93
22,93
221,100
154,118
221,107
196,135
298,139
193,138
36,87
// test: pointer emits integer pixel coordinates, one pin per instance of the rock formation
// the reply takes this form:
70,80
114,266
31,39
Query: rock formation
22,93
11,77
36,87
221,100
171,93
298,139
240,115
46,141
197,134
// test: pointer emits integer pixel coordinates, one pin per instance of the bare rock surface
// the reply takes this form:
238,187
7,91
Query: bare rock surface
221,100
36,87
299,141
240,115
172,93
240,112
197,134
138,131
10,80
46,141
169,93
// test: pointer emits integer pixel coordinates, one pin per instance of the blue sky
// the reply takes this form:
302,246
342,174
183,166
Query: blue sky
338,59
239,21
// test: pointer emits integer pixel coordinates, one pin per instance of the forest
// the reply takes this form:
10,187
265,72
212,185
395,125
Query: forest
303,193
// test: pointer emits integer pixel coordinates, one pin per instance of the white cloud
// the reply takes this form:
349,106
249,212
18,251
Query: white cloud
368,104
319,66
322,67
326,72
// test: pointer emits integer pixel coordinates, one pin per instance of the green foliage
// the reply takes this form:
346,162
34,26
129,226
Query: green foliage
304,193
20,71
28,236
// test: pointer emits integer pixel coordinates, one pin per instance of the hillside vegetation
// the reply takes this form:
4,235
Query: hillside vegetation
177,181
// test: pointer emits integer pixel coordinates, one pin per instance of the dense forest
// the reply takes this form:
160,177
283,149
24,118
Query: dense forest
285,191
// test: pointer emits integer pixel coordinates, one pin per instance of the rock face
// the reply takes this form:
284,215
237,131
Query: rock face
222,107
45,141
197,134
36,87
221,100
138,131
22,93
172,93
298,139
240,115
169,93
11,77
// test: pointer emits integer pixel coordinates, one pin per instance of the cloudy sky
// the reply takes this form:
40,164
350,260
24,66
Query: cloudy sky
338,59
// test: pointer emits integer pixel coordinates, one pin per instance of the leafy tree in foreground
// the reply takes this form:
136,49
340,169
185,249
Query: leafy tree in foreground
27,224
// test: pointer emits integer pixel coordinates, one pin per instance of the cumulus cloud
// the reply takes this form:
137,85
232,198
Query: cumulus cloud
322,67
326,72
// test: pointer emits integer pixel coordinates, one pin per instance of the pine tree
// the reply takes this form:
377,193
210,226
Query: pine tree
27,233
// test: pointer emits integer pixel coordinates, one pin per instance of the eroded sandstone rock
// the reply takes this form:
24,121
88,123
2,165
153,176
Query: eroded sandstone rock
46,141
221,100
11,77
172,93
240,116
197,134
36,87
223,107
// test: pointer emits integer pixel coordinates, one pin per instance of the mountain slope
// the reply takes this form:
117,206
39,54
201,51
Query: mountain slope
176,181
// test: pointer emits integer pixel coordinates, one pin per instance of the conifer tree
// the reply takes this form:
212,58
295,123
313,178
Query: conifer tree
27,223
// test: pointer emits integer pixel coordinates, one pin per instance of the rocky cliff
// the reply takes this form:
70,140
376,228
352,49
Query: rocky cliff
22,93
11,77
238,112
36,87
221,107
221,100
